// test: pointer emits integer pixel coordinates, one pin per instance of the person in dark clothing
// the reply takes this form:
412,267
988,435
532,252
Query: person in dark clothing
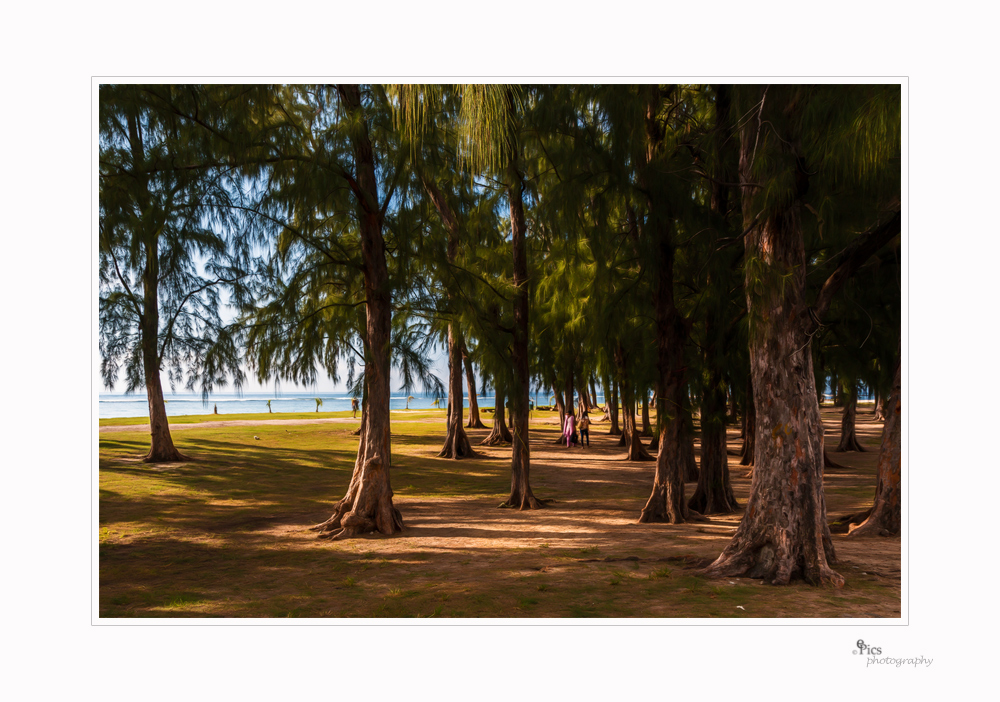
585,429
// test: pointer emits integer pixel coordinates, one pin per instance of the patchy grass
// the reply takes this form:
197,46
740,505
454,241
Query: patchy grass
226,535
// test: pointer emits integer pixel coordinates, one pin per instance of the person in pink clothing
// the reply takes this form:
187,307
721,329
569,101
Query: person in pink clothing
569,429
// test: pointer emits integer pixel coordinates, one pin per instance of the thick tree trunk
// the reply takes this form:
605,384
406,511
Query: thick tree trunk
784,532
848,430
885,516
879,410
499,434
368,506
687,449
521,496
456,443
568,397
714,494
474,421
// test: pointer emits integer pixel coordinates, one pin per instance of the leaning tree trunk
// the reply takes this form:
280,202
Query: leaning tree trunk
368,506
499,434
784,531
848,430
456,443
521,496
474,421
161,447
592,397
884,518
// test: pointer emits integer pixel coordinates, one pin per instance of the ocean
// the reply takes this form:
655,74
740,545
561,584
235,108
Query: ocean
119,405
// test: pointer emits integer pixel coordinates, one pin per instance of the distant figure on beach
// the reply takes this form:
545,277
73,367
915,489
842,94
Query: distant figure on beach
584,429
569,430
354,406
216,409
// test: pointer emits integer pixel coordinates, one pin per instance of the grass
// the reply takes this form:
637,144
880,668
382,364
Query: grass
227,535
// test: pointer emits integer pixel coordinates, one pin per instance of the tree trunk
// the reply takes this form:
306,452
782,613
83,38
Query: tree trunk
687,449
499,434
848,431
592,397
568,397
885,516
521,496
368,506
784,531
750,414
456,443
474,421
647,430
615,429
161,447
879,407
714,494
562,413
634,450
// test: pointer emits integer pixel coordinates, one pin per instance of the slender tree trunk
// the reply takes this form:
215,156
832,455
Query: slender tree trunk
499,434
848,429
568,399
630,440
615,429
784,531
647,430
521,496
474,421
592,397
456,443
161,447
368,506
886,514
750,436
562,413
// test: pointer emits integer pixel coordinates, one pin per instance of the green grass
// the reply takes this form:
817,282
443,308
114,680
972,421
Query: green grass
226,536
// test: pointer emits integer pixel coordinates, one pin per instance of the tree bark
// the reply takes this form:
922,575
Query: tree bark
499,434
750,432
885,518
647,430
879,407
474,421
784,531
161,447
456,443
615,429
521,496
714,494
562,413
368,506
848,430
630,440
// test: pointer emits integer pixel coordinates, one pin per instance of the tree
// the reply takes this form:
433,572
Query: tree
166,202
784,532
884,518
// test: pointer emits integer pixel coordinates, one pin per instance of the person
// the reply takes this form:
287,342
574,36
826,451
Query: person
585,429
354,406
569,429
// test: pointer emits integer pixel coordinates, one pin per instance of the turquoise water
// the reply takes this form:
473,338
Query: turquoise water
250,403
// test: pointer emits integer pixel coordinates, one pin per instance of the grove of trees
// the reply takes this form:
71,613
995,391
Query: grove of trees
719,251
